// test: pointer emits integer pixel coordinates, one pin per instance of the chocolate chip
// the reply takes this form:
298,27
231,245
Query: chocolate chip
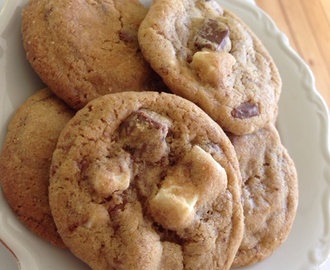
212,35
143,134
125,37
48,12
139,122
245,110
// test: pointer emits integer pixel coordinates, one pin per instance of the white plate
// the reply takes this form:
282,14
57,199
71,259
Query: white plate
303,125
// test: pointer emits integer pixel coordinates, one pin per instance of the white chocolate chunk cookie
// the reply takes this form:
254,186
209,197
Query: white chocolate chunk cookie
209,56
270,193
147,181
83,49
26,157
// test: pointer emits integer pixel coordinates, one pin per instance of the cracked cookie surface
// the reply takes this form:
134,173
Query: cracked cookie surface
86,48
25,160
209,56
269,194
147,181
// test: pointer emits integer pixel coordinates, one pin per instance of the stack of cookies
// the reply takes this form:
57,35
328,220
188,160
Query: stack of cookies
153,144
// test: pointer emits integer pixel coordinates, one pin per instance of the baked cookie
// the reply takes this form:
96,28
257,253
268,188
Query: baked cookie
146,181
209,56
270,193
25,160
84,49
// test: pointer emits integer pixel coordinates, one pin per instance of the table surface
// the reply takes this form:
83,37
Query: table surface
8,262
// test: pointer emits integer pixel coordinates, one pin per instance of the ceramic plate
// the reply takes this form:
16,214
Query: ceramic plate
302,123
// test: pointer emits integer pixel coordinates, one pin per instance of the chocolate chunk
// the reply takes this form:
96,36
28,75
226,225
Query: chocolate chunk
126,37
143,134
245,110
143,121
212,35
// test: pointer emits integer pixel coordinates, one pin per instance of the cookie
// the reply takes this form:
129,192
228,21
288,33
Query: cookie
85,49
270,193
209,56
143,180
26,157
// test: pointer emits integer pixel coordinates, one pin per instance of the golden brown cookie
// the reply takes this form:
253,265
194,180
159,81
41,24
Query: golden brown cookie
25,160
270,193
146,181
84,49
211,57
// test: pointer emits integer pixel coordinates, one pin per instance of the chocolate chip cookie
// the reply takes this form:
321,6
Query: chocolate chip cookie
270,193
146,181
85,49
211,57
25,161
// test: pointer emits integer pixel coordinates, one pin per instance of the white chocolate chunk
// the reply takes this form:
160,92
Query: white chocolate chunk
208,176
174,207
99,216
110,175
195,13
214,7
196,181
213,67
107,182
